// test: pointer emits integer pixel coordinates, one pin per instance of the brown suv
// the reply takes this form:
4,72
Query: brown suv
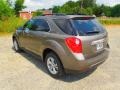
65,42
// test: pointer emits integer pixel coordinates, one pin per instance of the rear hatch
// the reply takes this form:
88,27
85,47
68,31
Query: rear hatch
92,34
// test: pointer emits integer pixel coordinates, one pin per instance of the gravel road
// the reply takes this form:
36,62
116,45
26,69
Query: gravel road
25,72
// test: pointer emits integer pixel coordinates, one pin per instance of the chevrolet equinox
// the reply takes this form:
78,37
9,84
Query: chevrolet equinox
64,42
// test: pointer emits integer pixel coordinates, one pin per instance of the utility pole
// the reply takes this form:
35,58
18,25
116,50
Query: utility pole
81,7
81,4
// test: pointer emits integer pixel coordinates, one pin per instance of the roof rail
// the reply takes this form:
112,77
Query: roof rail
55,14
77,14
59,14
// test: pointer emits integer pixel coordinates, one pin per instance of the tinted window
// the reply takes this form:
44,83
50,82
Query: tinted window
65,26
38,25
88,26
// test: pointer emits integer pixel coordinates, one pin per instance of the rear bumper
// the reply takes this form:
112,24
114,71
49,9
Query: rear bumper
81,66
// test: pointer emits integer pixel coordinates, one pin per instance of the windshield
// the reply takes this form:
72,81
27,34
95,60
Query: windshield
88,26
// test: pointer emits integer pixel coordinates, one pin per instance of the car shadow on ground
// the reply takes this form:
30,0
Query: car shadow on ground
66,78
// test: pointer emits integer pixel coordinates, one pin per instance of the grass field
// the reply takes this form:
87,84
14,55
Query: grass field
10,25
110,21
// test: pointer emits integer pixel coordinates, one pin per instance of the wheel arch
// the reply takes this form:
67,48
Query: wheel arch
48,50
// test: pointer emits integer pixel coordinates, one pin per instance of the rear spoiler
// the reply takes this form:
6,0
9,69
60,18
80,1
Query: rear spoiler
82,17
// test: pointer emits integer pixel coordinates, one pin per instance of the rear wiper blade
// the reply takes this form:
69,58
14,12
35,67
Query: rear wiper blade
92,32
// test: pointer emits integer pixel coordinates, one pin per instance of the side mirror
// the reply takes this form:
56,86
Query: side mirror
27,30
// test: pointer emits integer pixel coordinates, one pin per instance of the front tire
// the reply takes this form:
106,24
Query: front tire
53,65
16,46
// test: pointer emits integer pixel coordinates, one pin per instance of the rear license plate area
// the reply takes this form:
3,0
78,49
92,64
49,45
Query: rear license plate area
99,44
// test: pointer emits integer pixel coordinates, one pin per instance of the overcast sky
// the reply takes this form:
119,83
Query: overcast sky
39,4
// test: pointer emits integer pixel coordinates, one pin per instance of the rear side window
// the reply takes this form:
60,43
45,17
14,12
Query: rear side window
65,26
87,26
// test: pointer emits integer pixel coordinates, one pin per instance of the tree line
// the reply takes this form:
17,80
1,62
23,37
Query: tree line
89,7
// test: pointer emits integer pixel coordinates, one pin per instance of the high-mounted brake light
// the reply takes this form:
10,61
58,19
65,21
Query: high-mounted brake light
74,44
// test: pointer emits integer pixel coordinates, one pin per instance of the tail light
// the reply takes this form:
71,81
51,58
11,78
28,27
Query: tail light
74,44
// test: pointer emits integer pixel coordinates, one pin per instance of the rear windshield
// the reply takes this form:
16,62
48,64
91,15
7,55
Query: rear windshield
87,26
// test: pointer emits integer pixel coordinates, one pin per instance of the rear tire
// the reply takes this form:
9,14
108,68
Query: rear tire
16,46
53,65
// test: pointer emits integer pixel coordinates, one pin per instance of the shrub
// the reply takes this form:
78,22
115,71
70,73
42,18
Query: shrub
11,24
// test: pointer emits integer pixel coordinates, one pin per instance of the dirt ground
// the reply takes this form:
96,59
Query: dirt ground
25,72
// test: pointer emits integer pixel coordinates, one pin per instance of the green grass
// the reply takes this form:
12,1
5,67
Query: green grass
11,24
110,21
